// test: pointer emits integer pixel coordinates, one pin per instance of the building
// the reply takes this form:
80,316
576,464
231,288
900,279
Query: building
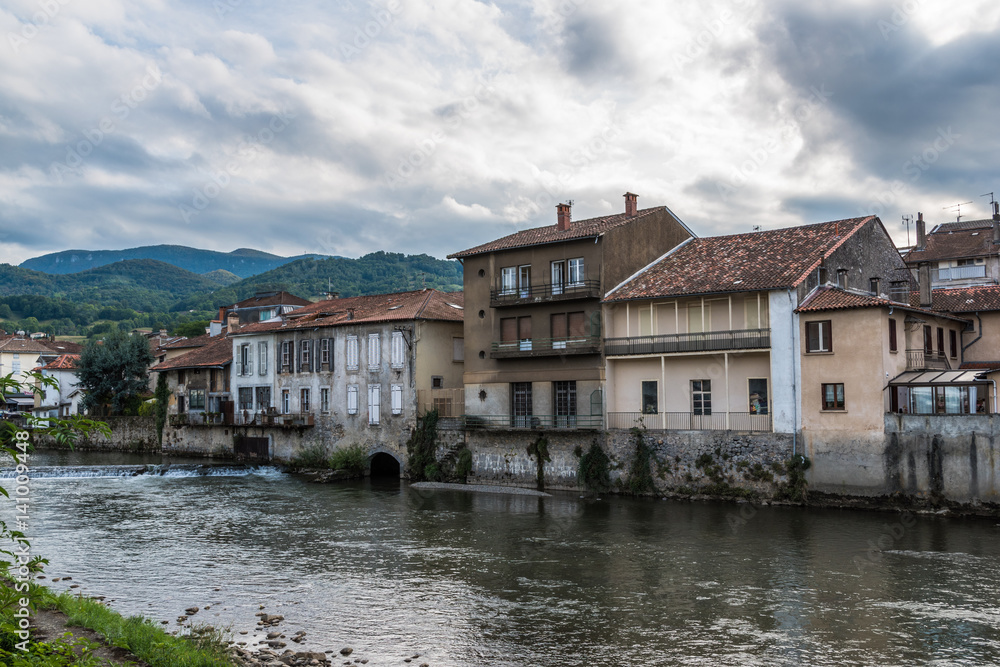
533,330
18,357
260,307
64,399
199,381
958,254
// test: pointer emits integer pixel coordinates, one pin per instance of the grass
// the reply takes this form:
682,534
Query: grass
203,646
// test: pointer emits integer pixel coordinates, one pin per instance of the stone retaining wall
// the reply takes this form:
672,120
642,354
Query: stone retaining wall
128,434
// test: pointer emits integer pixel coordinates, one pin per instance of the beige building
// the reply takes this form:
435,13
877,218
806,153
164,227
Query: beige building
533,325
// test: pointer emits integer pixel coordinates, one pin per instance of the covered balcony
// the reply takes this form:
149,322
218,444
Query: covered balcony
532,422
709,341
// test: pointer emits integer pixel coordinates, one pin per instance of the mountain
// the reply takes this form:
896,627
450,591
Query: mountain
141,284
221,277
243,262
374,273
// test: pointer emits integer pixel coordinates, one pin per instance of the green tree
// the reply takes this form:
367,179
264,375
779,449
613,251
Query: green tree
114,373
191,329
5,312
162,398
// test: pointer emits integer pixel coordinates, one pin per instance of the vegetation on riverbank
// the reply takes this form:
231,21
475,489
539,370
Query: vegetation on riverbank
353,459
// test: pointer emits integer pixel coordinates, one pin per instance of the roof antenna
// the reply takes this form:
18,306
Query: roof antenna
907,219
990,195
958,208
756,228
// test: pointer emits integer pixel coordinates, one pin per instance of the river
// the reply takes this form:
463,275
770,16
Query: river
469,579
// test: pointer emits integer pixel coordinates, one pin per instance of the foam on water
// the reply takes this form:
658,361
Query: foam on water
166,470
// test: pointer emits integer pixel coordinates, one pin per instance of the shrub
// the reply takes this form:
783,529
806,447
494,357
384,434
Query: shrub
464,464
594,473
353,459
422,448
640,478
313,456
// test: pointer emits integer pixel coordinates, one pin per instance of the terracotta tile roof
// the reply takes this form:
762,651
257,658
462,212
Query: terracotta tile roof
272,299
19,345
182,343
962,299
979,365
956,240
551,234
835,298
773,259
62,346
64,362
426,304
214,354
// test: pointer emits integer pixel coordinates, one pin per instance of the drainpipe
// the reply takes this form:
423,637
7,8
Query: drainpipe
795,358
973,342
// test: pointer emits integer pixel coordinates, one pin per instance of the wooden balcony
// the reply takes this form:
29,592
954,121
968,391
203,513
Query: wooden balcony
545,293
545,347
709,341
922,360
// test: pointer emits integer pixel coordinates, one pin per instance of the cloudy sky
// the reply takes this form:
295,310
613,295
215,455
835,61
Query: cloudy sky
434,125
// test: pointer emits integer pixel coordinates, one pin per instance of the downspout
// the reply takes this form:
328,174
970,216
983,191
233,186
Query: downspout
795,358
973,342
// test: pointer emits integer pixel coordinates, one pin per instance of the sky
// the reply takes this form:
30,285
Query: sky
431,126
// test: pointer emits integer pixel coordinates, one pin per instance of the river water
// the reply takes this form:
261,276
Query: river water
469,579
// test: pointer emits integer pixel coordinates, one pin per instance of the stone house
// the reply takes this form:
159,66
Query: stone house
199,381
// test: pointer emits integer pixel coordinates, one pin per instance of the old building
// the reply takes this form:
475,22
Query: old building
62,400
533,330
958,254
18,357
199,383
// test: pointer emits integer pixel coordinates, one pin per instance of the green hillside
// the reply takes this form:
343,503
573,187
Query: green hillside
221,277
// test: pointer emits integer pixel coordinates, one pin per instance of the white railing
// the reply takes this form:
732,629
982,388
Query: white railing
962,272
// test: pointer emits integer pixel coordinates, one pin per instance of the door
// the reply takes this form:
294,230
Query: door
558,277
521,410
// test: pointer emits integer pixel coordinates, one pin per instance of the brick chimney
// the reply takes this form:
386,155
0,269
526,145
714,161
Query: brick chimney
631,204
222,314
924,282
921,232
233,322
996,222
562,217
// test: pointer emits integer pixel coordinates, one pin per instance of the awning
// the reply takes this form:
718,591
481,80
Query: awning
939,377
21,401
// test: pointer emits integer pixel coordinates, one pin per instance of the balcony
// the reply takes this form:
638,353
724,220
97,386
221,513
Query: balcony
545,347
688,421
959,272
241,419
545,293
922,360
531,422
709,341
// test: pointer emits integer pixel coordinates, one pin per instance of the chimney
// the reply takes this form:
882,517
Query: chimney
222,313
562,217
631,204
996,222
924,282
921,232
233,322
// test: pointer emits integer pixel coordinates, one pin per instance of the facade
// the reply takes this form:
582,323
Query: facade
199,382
958,254
63,400
260,307
18,357
533,331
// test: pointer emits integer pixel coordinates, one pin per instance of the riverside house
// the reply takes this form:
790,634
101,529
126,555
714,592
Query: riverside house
198,381
533,326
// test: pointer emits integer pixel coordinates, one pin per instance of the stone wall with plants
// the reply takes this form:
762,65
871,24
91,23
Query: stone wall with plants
128,434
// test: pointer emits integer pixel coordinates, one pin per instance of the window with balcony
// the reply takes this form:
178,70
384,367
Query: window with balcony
701,397
576,275
524,281
245,398
508,279
558,277
819,336
833,396
263,397
699,317
196,399
757,392
565,400
650,399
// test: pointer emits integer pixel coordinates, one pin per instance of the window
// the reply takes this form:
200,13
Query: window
16,363
374,403
833,396
757,393
524,280
263,395
508,277
701,397
352,399
558,277
180,376
953,343
304,400
352,353
286,402
524,333
324,400
374,351
458,349
305,356
396,394
246,398
646,321
559,328
285,356
940,341
755,312
576,272
565,399
928,342
324,352
521,404
398,350
437,382
893,344
508,331
245,363
650,401
873,286
262,358
819,336
266,315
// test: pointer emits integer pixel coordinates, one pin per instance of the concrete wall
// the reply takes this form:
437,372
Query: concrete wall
785,369
987,346
128,434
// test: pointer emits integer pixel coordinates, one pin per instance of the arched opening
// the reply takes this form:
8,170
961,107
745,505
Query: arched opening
384,465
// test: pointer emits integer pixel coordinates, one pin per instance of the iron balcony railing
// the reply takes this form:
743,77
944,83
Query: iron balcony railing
919,360
532,422
545,347
709,341
689,421
515,296
242,418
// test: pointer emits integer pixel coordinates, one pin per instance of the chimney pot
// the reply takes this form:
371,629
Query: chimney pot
996,222
563,217
921,232
631,204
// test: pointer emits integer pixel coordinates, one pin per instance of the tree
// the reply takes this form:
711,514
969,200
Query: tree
162,398
191,329
114,373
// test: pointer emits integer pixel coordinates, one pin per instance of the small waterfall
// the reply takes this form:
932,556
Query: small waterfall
160,470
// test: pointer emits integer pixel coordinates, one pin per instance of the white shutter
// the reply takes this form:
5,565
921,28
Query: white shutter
374,351
398,349
352,399
374,403
352,353
397,399
262,353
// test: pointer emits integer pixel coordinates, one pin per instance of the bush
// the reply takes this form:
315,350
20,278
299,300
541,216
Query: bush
464,464
422,449
640,478
353,459
594,472
314,456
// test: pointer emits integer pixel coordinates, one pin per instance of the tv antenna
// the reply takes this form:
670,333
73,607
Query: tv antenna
756,228
990,195
958,209
907,220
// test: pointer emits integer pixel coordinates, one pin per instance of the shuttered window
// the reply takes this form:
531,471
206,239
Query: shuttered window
262,358
398,349
324,353
508,329
374,403
374,351
893,344
285,361
305,356
577,325
352,399
352,353
397,399
524,328
458,349
560,326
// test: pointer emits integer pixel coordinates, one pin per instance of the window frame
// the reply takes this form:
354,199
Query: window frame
837,406
304,400
821,340
575,265
352,356
374,351
396,398
262,357
324,400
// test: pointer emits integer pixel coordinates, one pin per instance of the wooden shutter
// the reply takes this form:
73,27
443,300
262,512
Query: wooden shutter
508,329
524,328
352,399
374,403
397,399
577,325
893,346
398,349
559,327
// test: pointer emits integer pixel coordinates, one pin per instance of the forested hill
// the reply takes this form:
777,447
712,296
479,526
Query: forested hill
374,273
242,262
